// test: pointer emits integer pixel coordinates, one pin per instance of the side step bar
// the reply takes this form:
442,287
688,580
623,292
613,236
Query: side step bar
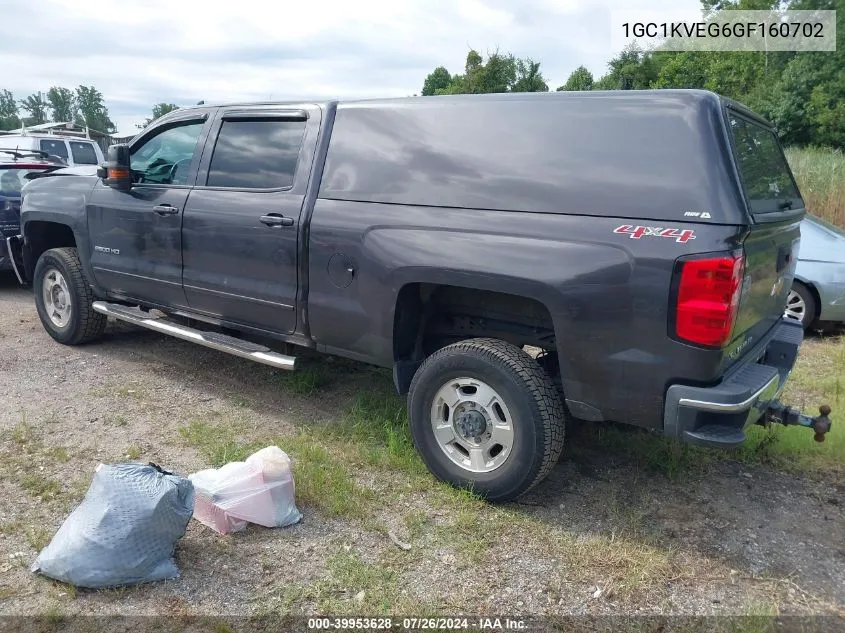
220,342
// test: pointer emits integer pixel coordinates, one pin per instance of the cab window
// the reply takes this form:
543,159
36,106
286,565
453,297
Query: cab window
165,158
83,153
54,147
256,154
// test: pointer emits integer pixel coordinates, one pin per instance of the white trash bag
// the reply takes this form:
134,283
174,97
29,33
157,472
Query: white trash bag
125,530
259,490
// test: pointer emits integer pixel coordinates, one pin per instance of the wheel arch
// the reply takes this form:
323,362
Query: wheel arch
41,236
811,288
422,309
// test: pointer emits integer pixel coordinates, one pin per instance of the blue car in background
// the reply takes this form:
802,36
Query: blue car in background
817,297
15,169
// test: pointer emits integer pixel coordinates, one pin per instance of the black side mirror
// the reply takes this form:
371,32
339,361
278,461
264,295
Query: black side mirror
116,173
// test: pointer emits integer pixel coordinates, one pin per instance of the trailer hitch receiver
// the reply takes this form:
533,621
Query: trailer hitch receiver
778,413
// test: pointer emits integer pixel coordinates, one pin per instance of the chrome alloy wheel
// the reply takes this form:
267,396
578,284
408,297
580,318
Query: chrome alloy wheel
472,425
57,298
795,307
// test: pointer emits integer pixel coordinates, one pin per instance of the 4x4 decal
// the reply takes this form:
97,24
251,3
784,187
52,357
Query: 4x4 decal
636,232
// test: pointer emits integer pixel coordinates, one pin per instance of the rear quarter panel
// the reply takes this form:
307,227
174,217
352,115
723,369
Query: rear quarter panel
607,293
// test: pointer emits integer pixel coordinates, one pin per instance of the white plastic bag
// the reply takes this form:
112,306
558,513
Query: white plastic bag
259,490
125,530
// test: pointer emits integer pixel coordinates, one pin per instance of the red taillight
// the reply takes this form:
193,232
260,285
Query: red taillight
708,299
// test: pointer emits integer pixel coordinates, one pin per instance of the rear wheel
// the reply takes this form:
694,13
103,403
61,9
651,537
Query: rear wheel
63,298
801,305
484,415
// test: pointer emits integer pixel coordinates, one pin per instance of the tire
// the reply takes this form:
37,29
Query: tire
63,298
521,440
801,305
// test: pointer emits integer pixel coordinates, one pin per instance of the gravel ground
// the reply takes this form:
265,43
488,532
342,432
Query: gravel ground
738,536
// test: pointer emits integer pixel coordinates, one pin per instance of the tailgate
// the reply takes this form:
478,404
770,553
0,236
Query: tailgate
771,243
771,252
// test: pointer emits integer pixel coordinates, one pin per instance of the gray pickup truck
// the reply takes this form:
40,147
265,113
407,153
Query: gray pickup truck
644,242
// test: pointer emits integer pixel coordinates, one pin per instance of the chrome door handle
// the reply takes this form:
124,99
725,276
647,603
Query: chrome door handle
166,209
274,219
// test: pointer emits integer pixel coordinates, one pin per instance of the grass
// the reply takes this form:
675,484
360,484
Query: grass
820,173
818,378
133,452
377,422
23,433
648,451
11,526
350,587
38,485
217,442
124,390
119,420
627,559
24,464
322,477
7,591
373,432
58,453
306,380
38,537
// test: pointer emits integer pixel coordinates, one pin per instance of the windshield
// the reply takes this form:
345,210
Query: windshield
765,173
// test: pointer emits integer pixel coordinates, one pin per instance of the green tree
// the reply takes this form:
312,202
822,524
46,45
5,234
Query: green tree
631,69
437,80
37,108
687,69
92,110
499,73
528,77
9,119
159,110
807,102
580,79
62,104
801,93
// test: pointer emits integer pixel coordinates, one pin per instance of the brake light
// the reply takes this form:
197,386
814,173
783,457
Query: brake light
708,299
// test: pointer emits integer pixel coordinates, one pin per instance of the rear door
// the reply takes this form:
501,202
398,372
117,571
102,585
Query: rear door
776,209
136,235
241,224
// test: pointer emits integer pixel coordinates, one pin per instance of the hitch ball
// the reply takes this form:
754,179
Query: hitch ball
821,424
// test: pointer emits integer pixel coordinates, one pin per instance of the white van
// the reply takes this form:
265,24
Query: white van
73,150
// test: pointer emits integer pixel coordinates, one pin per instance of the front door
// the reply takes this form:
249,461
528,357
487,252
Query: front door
241,224
136,235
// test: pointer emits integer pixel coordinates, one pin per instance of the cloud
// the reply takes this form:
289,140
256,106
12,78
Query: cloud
138,54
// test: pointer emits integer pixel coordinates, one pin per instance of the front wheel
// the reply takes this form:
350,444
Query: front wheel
485,416
63,298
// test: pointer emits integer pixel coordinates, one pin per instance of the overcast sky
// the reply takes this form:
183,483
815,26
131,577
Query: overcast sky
181,51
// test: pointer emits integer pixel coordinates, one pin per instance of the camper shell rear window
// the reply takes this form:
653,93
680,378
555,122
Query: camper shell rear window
766,178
